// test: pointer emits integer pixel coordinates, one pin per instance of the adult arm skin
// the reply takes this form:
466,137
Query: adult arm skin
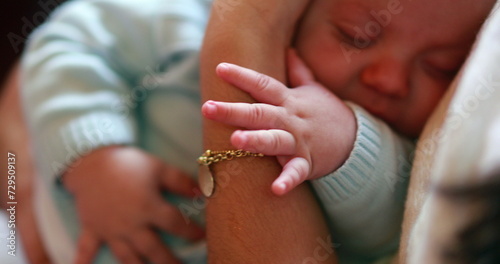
245,221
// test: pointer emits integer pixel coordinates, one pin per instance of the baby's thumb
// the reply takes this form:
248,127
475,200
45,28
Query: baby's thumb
295,172
298,73
178,182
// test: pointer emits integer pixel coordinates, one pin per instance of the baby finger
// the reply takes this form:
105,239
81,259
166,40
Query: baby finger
261,87
251,116
169,219
176,181
271,142
123,252
294,173
88,245
152,248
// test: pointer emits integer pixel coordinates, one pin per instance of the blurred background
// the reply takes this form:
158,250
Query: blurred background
18,19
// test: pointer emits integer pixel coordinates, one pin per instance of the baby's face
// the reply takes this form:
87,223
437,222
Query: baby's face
395,58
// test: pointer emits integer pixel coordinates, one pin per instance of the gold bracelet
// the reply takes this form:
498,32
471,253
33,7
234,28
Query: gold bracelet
205,177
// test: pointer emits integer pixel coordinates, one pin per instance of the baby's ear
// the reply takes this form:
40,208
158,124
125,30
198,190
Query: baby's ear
298,73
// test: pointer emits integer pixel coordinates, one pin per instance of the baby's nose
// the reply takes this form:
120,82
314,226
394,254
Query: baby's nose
388,77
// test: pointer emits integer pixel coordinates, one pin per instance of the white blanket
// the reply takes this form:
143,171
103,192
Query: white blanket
460,146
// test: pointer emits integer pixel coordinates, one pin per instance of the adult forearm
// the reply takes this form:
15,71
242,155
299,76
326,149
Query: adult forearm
253,34
245,221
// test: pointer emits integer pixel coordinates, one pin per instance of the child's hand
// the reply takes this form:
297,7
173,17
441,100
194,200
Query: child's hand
118,197
310,130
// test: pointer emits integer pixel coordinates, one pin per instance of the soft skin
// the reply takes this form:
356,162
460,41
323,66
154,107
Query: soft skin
245,220
285,125
364,52
120,204
399,74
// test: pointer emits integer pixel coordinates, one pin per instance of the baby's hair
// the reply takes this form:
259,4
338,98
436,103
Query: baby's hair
479,241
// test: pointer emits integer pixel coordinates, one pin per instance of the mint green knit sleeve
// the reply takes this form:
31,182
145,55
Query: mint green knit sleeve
85,71
364,199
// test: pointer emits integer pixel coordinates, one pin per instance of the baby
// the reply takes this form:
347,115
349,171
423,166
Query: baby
363,52
111,95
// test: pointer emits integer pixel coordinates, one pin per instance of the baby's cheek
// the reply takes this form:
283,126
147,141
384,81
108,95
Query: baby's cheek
412,121
331,71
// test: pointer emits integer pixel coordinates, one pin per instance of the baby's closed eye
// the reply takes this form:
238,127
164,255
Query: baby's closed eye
443,67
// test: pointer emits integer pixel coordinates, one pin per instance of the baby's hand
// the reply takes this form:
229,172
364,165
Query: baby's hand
308,128
118,196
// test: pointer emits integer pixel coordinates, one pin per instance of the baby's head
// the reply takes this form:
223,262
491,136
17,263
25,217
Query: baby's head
395,58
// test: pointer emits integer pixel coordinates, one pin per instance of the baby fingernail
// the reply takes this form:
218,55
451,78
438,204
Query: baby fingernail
210,108
280,188
223,66
243,138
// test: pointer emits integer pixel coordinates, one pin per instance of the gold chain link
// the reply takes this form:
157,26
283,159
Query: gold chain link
211,156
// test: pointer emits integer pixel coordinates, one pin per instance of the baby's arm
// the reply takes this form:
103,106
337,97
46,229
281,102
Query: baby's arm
364,196
310,130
